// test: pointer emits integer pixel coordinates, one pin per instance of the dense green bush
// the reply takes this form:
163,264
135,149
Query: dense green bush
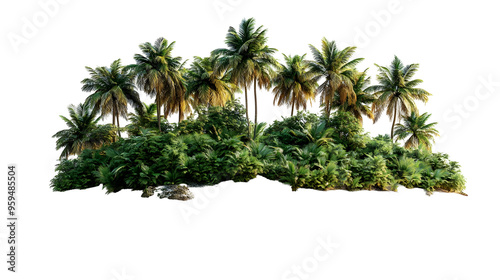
304,151
347,131
284,132
78,173
218,122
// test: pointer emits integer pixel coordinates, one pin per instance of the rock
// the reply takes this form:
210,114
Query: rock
179,192
149,191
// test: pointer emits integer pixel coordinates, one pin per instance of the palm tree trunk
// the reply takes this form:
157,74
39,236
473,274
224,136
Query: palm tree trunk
246,110
394,121
181,115
158,111
118,125
115,113
293,103
327,109
255,94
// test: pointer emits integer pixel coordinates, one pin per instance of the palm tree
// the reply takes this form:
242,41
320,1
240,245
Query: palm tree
335,66
420,132
157,72
295,84
248,57
363,99
397,91
177,101
83,132
263,73
144,117
113,87
207,86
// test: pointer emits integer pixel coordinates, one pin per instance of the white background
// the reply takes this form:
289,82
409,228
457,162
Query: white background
259,230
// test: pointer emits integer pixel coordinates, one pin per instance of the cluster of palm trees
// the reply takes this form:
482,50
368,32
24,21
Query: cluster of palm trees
247,62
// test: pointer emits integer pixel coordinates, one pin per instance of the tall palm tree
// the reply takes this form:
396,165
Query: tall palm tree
397,91
248,57
263,73
362,106
83,131
419,131
157,72
294,83
177,101
113,87
207,86
337,70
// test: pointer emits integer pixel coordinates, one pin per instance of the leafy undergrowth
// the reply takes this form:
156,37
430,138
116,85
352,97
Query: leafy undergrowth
304,151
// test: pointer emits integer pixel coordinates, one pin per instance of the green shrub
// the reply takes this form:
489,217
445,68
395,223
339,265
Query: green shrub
287,131
304,151
218,122
78,173
373,173
347,131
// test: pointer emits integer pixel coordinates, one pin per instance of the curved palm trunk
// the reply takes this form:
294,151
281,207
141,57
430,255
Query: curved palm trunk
255,94
246,110
394,121
293,103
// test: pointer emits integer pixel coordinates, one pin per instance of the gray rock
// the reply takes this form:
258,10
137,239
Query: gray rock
179,192
149,191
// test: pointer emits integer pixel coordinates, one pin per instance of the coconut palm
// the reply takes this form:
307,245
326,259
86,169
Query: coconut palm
420,132
177,101
157,73
207,86
83,131
294,83
144,117
362,106
397,91
263,73
335,67
113,87
248,57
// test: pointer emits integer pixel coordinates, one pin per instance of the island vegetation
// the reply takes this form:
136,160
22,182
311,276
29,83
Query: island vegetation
214,140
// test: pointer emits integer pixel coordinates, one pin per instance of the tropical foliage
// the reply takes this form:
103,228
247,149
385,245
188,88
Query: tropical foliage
336,68
208,87
83,131
419,131
157,73
362,106
112,88
249,59
397,92
217,142
295,85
